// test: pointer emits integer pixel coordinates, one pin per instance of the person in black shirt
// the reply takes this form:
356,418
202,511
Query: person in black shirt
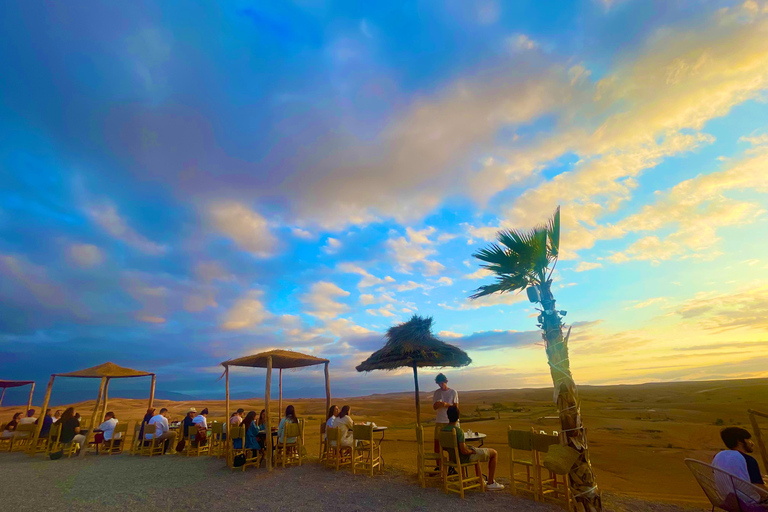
740,440
70,428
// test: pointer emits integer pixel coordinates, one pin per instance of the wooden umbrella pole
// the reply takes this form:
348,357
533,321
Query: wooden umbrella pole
33,445
104,407
29,402
418,403
1,397
226,406
266,411
280,391
152,392
89,434
327,389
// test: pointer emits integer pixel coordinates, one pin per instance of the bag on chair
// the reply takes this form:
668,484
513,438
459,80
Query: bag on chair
239,461
56,455
181,444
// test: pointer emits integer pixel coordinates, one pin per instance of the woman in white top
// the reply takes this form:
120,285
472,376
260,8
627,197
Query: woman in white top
108,426
333,412
344,423
290,417
201,418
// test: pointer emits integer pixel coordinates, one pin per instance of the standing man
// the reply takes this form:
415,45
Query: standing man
443,398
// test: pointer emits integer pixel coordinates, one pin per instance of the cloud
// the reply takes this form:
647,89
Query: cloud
245,227
212,270
86,255
414,248
302,233
367,280
107,217
521,43
480,273
445,281
649,302
332,246
583,266
321,303
744,309
248,312
497,299
491,340
367,299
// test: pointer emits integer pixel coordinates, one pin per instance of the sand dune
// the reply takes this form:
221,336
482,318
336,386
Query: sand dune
639,434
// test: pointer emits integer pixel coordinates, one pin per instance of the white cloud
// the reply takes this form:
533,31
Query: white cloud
649,302
108,218
86,255
248,312
367,299
585,265
414,248
521,43
321,300
247,228
480,273
445,281
332,246
302,233
497,299
367,280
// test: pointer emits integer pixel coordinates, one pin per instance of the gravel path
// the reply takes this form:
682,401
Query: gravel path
173,483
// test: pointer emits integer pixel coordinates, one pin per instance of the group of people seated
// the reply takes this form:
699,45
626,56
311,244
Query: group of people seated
342,420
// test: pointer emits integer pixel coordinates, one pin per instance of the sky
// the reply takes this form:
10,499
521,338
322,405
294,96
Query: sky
181,184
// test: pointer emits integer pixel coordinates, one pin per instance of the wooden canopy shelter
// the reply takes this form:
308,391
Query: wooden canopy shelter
412,344
279,359
105,372
5,384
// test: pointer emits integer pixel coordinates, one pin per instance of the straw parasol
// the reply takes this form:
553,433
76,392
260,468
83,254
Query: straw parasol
105,372
5,384
275,359
412,344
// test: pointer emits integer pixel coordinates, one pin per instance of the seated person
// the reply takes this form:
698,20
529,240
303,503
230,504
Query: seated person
10,428
202,418
261,426
189,420
56,415
47,422
333,413
162,429
108,426
470,453
736,460
290,417
345,425
29,418
148,416
70,428
253,431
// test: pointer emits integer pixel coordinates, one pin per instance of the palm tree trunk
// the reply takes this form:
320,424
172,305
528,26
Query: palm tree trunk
582,479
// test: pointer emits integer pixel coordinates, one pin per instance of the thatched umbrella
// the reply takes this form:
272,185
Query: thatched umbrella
412,344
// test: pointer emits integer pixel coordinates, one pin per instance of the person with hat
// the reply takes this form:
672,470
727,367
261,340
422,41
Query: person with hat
188,421
443,398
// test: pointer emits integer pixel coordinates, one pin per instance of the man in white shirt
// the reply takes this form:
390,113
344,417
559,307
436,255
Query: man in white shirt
443,398
28,420
108,426
162,432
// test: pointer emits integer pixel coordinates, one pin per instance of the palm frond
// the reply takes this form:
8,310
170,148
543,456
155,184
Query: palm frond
553,232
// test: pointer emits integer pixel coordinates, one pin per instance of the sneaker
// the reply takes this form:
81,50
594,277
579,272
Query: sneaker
451,471
495,486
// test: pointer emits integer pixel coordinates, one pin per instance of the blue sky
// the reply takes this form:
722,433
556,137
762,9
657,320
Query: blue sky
184,184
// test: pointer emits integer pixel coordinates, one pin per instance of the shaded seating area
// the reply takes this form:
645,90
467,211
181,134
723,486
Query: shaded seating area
105,372
280,359
6,384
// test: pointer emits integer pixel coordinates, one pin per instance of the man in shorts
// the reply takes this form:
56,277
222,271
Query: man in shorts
443,398
472,454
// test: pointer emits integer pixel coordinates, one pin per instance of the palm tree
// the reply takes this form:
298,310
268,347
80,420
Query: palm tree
525,260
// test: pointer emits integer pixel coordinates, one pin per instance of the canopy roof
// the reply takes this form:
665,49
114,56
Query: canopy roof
14,383
107,369
280,359
412,343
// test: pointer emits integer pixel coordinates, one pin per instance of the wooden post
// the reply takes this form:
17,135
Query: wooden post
418,403
226,406
29,402
280,391
758,435
152,392
33,445
327,389
266,411
92,426
1,397
104,407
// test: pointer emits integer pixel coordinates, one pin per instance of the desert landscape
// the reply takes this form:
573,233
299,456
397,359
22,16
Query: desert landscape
639,434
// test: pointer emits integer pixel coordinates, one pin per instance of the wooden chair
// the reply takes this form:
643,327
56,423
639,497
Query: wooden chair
23,437
323,442
215,443
116,444
366,455
53,437
337,455
289,454
5,442
550,486
235,438
461,481
726,491
198,448
135,440
55,444
522,441
150,447
426,461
